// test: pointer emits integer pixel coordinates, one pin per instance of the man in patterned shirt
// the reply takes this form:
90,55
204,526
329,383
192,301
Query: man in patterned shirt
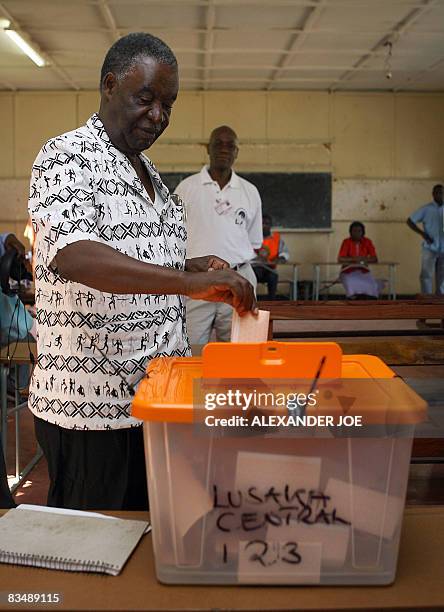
110,273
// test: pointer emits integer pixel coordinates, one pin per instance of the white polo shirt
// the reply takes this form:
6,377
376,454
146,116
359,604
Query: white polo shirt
224,222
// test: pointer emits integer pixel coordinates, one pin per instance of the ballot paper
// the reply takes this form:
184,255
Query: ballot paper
191,501
366,509
250,327
263,471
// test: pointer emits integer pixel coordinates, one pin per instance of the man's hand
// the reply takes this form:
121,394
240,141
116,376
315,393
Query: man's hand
223,286
263,253
12,242
114,272
206,263
419,231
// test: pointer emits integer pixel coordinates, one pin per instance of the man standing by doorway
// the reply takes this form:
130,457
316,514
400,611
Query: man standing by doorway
224,211
432,260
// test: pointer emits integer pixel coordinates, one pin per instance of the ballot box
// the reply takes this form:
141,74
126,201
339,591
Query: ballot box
247,493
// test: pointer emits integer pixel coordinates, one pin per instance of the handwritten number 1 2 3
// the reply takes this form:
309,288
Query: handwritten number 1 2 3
268,554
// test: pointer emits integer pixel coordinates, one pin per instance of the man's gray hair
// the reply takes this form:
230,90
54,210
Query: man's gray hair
127,51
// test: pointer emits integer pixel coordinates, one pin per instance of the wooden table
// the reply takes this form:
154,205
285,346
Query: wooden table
419,584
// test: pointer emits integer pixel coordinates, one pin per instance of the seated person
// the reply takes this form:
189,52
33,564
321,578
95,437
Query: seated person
16,322
356,253
272,252
7,241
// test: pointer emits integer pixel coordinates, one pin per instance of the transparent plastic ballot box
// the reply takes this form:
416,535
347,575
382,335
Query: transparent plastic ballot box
270,503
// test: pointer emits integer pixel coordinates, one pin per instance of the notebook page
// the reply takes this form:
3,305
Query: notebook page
67,542
70,511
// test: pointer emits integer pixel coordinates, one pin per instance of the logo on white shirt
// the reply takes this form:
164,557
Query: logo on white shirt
240,216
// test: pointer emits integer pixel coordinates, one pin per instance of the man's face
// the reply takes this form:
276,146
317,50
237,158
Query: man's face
438,195
266,226
222,149
140,104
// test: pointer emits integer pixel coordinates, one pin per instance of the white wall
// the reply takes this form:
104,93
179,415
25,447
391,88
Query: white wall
384,151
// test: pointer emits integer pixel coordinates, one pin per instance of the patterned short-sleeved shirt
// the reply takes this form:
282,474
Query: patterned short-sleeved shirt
83,188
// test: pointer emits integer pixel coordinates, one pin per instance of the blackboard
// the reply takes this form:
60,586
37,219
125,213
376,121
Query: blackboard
295,200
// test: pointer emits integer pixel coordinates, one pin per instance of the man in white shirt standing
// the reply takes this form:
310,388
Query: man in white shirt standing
224,217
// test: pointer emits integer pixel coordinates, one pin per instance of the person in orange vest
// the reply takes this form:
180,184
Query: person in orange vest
272,252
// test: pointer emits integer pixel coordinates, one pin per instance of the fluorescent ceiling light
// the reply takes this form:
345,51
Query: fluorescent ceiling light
25,47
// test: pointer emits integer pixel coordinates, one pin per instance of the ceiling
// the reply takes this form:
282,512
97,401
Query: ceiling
236,44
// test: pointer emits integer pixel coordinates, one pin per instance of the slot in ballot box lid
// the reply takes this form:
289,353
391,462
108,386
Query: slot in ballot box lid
168,392
271,360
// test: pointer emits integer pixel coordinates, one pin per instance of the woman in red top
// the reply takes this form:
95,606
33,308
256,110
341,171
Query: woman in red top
356,253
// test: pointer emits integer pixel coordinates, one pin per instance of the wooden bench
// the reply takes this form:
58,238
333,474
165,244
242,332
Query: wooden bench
432,308
427,354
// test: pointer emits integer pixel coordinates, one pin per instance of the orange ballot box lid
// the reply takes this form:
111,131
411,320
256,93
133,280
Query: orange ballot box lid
362,383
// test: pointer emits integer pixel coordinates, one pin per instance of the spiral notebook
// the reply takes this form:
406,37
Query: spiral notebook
68,541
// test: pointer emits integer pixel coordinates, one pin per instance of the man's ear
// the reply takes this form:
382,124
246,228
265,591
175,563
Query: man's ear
236,153
109,85
208,148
